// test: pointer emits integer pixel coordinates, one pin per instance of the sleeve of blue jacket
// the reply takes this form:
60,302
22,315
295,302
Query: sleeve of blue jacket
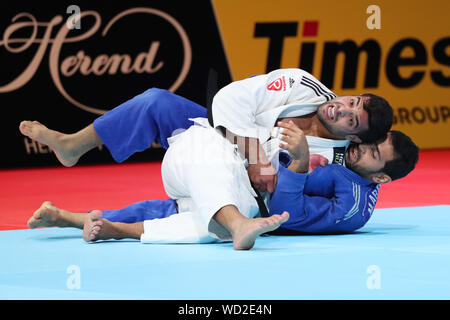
288,196
332,199
337,200
328,197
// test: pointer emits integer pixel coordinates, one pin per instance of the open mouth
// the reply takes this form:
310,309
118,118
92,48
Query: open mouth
331,111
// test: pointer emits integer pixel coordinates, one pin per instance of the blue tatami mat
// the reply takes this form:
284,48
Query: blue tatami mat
400,254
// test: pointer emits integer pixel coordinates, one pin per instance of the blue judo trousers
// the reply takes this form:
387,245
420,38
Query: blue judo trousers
132,127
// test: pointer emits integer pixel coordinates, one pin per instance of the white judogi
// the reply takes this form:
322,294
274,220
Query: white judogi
204,172
250,107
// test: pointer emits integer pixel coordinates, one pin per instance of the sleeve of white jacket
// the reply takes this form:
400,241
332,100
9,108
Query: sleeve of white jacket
236,105
184,227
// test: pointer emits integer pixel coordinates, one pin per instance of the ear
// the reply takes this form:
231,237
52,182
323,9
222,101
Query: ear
353,138
381,178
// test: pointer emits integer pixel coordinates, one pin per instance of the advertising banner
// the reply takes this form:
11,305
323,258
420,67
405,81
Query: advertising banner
65,72
65,63
396,49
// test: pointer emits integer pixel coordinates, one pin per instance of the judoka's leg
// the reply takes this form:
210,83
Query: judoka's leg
185,227
68,148
188,227
153,115
141,211
48,215
203,166
131,127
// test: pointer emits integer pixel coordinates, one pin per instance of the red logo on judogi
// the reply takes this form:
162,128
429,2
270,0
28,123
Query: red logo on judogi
277,85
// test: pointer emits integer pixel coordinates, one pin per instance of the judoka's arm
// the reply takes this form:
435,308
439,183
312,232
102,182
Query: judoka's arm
260,170
326,201
288,195
235,108
294,141
308,213
246,107
317,202
237,105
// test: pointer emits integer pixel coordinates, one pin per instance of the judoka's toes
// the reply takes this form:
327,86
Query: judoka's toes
92,226
46,216
283,217
245,237
275,220
56,141
32,129
94,232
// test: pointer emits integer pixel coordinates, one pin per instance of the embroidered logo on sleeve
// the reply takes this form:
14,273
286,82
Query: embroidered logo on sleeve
291,82
277,85
357,197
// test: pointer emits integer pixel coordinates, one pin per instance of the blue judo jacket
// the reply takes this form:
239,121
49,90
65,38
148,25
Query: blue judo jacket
331,199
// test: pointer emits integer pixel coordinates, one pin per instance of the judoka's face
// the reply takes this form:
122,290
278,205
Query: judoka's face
345,116
369,159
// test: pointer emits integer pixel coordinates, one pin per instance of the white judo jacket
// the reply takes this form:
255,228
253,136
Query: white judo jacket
251,107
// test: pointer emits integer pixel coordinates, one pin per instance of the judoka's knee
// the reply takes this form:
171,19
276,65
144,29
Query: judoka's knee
158,94
159,102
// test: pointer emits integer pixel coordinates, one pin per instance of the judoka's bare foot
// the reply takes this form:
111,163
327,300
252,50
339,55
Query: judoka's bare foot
57,141
93,227
96,228
244,237
47,216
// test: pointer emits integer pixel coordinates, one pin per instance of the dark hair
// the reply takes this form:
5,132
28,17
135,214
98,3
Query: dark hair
406,155
381,117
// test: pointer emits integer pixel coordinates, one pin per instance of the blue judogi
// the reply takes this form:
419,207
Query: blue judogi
328,200
331,199
141,211
132,127
153,115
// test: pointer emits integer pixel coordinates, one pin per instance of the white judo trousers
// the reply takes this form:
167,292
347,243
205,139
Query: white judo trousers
203,172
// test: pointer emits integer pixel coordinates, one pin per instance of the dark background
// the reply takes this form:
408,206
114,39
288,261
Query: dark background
40,100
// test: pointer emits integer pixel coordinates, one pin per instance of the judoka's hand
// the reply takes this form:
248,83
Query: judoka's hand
263,176
295,143
316,160
295,140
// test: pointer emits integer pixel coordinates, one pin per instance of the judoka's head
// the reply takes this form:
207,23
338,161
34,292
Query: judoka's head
364,118
384,161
